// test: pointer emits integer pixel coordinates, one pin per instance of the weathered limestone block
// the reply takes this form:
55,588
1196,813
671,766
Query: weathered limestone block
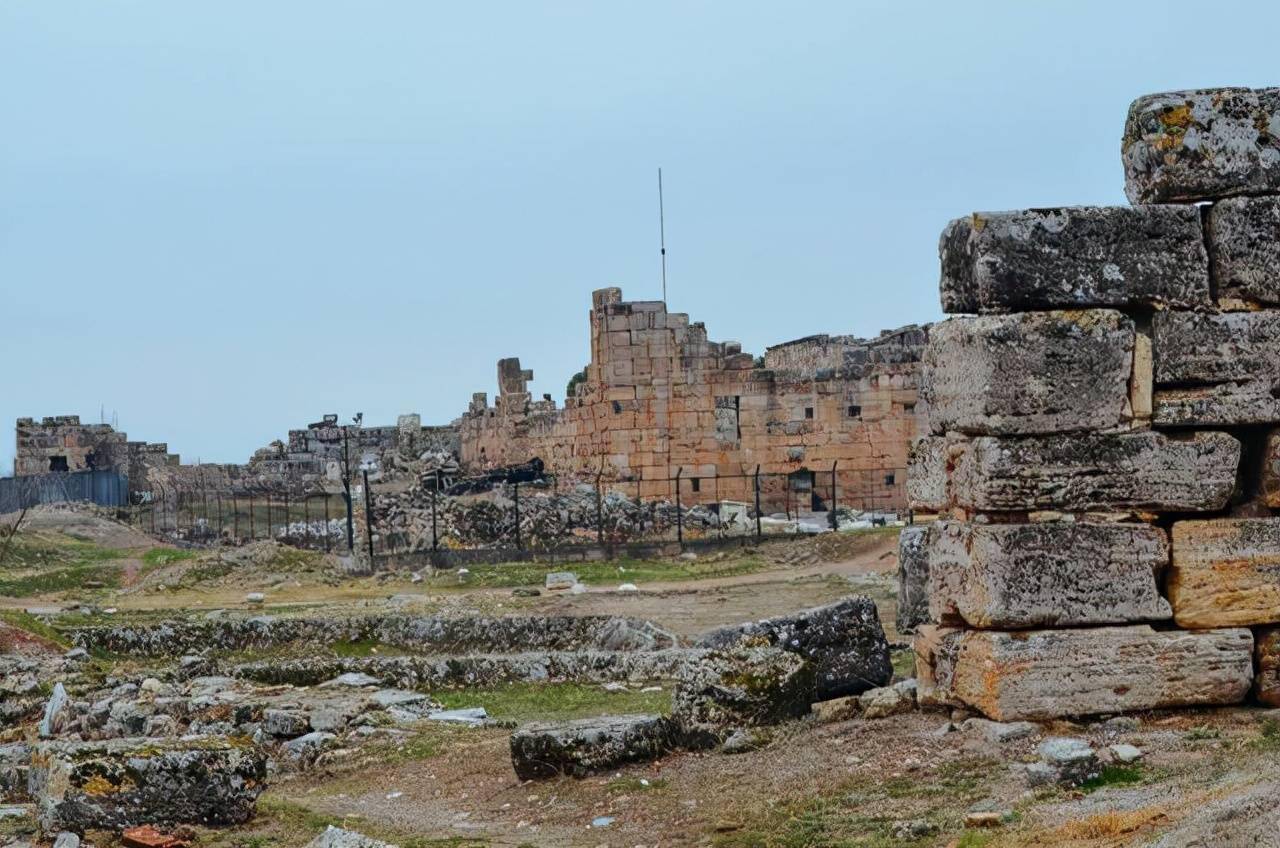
1244,239
913,578
589,745
1266,686
1044,674
1271,471
722,691
1202,144
1089,472
1226,572
844,641
1030,373
127,782
935,648
1046,575
927,473
1217,368
1074,257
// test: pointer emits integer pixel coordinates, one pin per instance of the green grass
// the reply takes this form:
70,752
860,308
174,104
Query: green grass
60,580
1114,775
512,574
160,557
554,701
44,563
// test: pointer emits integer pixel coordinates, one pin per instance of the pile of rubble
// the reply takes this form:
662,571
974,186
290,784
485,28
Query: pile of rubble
1105,435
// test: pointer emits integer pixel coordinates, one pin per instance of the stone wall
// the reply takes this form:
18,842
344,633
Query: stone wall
659,398
62,443
1103,434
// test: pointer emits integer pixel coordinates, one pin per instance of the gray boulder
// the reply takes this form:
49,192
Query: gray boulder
724,690
336,837
844,641
589,745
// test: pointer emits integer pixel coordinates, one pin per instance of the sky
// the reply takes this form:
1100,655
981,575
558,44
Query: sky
219,221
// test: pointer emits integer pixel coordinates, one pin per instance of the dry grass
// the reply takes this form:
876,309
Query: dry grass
1113,823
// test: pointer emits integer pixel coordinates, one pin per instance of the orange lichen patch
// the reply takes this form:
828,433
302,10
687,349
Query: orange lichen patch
99,785
1178,117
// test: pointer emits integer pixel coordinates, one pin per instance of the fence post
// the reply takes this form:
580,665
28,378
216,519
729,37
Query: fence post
832,509
679,512
515,493
599,510
435,534
368,512
757,487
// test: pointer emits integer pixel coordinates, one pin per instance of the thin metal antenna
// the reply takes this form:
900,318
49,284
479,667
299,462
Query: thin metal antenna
662,236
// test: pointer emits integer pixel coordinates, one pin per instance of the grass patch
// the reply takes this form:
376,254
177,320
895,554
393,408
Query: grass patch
636,784
60,580
554,701
362,648
1268,736
904,662
24,620
44,563
160,557
1114,775
503,575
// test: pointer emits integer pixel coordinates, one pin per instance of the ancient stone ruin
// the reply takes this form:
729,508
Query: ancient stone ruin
1103,449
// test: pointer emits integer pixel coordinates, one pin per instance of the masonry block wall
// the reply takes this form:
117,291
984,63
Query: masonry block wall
659,397
1103,432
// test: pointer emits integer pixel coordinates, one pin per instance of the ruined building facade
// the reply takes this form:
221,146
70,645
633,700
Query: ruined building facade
659,399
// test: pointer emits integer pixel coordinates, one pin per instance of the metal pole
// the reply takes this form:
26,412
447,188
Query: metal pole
515,494
832,508
435,531
346,486
679,513
757,481
368,513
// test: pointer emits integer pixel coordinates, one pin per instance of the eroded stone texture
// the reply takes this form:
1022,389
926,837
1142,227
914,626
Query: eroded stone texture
1044,674
913,579
1217,368
844,641
1244,237
1226,572
1091,472
1046,575
1270,482
741,687
1030,373
1202,144
1266,686
927,473
128,782
1074,257
589,745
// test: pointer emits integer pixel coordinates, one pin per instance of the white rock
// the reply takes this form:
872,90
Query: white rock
255,597
53,710
1123,753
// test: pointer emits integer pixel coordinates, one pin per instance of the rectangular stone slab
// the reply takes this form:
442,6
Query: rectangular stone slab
913,578
1045,674
586,746
1074,257
1244,248
1216,368
927,473
1202,144
1226,572
1052,574
1030,373
1090,472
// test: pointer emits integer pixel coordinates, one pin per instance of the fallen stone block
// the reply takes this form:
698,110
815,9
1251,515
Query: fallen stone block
305,749
888,700
913,578
1089,472
1031,373
337,837
1266,685
1074,257
1000,732
844,641
724,690
1202,144
590,745
1244,237
1064,761
1226,572
128,782
1052,574
1216,368
1043,674
284,723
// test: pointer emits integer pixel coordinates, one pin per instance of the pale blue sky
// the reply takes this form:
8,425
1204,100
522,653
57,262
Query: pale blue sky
222,220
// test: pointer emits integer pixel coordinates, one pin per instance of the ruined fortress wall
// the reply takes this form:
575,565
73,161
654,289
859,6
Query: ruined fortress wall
63,443
658,397
1104,423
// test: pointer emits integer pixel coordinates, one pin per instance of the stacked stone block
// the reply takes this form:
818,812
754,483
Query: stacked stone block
1104,435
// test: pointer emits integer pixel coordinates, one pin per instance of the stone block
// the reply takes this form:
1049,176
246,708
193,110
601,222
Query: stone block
1226,572
1244,241
724,690
1216,369
1088,472
844,641
1053,574
913,578
927,463
590,745
1203,144
1030,373
1266,686
1045,674
127,782
1270,483
1073,257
